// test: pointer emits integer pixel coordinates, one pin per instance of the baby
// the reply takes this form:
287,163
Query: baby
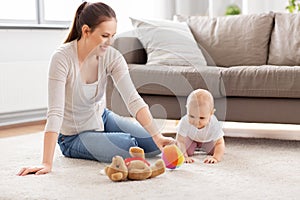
199,128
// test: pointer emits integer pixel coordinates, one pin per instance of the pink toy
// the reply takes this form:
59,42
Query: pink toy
172,156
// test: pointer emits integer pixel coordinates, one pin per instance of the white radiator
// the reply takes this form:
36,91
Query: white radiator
23,91
24,58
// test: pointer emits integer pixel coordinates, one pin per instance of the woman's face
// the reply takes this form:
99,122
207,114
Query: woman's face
102,36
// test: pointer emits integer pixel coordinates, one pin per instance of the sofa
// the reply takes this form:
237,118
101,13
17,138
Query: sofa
252,69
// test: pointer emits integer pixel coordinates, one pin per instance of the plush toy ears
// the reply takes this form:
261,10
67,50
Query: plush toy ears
118,163
137,152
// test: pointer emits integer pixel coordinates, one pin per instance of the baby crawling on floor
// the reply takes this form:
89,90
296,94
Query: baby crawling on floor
200,128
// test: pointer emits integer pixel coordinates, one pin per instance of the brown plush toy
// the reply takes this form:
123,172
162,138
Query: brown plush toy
134,168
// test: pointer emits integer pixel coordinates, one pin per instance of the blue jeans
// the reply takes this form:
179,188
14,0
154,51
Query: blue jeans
118,136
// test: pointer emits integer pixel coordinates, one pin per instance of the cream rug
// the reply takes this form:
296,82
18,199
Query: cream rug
251,169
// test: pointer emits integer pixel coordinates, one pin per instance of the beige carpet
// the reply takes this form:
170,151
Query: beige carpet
251,169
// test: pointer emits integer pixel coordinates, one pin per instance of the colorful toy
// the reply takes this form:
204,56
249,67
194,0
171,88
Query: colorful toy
172,156
134,168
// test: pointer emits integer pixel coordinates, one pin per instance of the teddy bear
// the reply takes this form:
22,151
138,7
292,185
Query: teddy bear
134,168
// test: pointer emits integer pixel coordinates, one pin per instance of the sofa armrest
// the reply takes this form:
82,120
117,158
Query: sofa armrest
132,50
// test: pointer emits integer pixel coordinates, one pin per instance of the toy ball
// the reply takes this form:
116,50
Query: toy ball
172,156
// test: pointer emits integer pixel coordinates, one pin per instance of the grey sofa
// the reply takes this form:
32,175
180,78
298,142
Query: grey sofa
253,70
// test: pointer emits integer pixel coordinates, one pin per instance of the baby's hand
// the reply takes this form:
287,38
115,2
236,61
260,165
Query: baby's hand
188,160
210,160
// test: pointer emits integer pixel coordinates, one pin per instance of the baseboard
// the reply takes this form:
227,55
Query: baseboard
21,117
262,130
245,130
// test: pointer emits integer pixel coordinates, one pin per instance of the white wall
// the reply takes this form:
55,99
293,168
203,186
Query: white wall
24,57
215,8
259,6
191,7
158,9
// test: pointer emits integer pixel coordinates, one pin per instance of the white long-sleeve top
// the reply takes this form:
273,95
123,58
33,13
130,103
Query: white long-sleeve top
74,106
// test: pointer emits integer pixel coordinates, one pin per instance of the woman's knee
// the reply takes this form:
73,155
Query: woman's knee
124,142
132,142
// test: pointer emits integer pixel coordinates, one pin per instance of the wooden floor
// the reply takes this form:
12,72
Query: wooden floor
22,129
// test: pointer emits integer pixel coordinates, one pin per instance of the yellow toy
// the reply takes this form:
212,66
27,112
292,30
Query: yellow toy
134,168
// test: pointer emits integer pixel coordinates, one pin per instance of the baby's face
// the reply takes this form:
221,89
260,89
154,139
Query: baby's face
199,116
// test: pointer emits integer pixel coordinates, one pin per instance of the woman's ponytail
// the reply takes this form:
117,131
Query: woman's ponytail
75,32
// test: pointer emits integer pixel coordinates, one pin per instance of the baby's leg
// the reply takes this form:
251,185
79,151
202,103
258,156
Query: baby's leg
190,146
208,147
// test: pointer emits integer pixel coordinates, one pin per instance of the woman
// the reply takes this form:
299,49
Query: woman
77,117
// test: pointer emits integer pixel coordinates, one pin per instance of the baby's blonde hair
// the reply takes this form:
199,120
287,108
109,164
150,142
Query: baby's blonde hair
200,97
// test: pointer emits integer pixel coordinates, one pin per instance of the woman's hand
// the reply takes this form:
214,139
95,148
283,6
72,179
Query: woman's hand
37,170
50,139
161,141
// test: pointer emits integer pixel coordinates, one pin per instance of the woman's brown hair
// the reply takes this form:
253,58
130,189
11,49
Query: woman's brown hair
91,14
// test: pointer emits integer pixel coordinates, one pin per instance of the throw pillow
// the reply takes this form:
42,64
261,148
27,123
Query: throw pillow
233,40
285,41
168,43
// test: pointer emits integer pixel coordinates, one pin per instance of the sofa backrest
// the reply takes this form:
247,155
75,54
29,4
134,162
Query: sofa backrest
132,49
233,40
285,40
256,39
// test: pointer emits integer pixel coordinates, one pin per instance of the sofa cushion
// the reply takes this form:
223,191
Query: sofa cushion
131,48
285,40
168,43
262,81
175,80
233,40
